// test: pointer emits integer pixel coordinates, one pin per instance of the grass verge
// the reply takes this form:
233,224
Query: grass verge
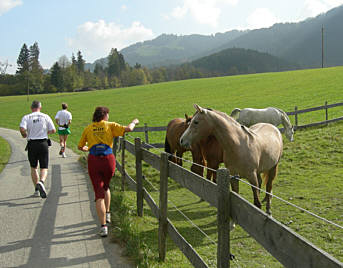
5,153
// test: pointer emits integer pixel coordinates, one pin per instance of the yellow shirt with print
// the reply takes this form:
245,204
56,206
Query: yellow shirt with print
101,132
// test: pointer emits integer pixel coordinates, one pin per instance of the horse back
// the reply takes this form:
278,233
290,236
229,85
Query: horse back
269,139
250,116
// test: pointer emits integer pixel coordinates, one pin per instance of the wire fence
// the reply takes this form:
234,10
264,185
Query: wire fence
258,188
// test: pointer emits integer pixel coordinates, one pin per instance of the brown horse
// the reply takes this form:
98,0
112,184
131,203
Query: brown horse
172,146
248,152
204,153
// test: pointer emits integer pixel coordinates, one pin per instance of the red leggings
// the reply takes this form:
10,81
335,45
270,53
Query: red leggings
101,170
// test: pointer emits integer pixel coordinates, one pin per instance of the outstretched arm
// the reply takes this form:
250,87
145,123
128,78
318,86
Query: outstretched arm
132,125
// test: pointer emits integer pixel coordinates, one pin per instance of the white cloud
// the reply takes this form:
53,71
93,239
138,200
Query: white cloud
315,7
95,39
6,5
261,18
203,11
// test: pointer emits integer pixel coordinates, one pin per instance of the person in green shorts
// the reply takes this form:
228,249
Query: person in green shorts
63,120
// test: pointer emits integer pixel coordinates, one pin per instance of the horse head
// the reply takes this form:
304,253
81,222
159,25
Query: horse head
197,129
289,132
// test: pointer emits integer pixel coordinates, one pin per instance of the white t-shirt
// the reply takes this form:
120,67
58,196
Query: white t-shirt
37,125
63,117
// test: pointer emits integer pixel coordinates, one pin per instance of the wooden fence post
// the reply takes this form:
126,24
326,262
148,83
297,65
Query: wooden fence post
146,132
115,145
223,186
296,116
139,177
162,228
326,111
123,163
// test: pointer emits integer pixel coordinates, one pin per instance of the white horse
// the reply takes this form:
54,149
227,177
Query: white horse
271,115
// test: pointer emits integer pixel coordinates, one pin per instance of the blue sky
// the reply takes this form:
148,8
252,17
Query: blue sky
63,27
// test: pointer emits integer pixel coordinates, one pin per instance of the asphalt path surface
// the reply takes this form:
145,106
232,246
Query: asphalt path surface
59,231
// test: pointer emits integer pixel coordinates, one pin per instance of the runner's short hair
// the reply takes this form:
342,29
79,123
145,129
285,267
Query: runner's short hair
64,106
36,104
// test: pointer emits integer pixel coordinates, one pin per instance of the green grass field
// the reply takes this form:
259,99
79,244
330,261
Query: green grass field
5,153
310,171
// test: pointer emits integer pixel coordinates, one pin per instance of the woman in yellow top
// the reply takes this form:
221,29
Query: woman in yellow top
97,139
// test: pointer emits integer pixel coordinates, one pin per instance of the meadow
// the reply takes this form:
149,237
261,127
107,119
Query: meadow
310,171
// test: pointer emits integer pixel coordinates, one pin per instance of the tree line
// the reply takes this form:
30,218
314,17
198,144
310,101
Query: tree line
69,75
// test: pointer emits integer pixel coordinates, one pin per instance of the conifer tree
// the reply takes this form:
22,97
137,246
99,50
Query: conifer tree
23,60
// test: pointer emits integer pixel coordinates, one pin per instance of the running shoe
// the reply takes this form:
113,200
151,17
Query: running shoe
61,151
108,217
36,193
103,231
64,155
41,189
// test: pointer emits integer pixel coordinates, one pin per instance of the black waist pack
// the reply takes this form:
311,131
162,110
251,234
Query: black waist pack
49,142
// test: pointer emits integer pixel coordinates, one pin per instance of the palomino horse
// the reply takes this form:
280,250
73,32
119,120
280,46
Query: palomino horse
207,152
271,115
247,152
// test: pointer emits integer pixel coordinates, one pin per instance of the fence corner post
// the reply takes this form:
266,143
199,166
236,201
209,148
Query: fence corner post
326,111
163,224
296,116
223,186
123,163
139,176
146,132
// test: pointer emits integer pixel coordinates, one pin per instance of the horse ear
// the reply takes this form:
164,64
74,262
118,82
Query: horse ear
198,108
186,116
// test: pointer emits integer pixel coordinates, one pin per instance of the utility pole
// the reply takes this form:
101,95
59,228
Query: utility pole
322,46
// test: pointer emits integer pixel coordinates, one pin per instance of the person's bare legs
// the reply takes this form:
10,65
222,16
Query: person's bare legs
107,200
101,210
34,176
43,174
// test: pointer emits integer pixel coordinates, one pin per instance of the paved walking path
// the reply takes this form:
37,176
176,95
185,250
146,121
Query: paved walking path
60,231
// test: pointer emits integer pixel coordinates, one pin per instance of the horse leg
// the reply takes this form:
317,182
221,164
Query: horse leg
234,185
270,177
254,182
198,160
213,165
259,182
179,158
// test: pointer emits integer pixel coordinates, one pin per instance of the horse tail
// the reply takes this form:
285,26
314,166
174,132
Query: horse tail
235,112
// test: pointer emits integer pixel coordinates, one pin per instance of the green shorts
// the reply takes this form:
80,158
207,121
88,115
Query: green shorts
64,131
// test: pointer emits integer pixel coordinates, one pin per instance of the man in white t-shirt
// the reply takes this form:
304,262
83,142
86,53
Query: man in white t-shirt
63,120
35,127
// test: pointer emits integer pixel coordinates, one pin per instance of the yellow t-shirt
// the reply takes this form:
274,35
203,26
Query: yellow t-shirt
101,132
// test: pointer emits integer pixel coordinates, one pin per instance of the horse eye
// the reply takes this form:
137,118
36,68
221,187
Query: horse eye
196,122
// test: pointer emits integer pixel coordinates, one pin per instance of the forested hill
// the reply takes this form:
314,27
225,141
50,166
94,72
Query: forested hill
296,42
300,42
240,61
169,49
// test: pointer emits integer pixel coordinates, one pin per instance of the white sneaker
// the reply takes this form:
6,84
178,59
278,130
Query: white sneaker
36,193
41,188
103,231
64,155
108,217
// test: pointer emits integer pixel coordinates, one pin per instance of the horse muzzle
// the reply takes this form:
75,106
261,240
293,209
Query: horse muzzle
184,143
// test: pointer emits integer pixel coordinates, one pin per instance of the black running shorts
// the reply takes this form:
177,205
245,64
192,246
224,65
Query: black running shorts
38,151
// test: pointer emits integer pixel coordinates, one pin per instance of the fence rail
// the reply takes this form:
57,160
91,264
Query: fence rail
146,129
286,246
